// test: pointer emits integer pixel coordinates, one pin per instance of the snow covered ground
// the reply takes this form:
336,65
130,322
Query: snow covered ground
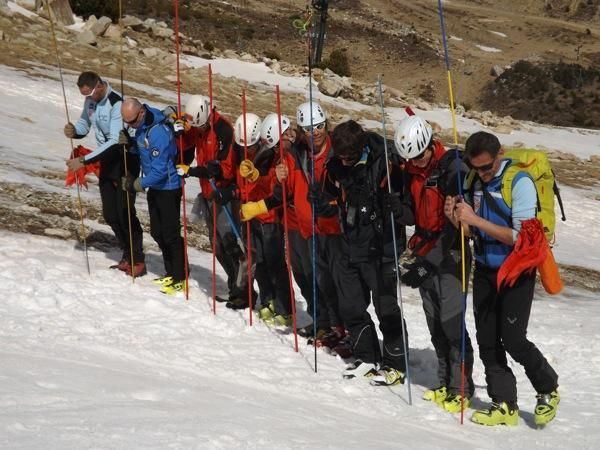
98,362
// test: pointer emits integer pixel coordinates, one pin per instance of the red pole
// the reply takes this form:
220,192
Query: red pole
180,146
288,259
214,205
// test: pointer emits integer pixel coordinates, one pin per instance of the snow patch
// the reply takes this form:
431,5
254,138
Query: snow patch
497,33
488,49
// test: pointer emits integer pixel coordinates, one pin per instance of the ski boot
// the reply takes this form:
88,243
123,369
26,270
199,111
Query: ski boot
546,407
174,288
387,376
437,395
138,270
359,369
498,414
280,320
266,312
163,281
454,403
122,265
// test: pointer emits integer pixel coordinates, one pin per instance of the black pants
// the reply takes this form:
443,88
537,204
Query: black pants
271,269
114,211
501,319
227,250
357,283
165,227
443,302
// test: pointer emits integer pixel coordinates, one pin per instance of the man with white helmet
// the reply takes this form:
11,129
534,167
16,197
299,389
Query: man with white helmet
436,271
256,180
211,134
311,146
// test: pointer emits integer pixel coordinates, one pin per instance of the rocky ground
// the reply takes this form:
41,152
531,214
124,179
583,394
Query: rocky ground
147,48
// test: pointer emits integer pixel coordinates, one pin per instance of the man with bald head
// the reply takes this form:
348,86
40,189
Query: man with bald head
102,113
154,141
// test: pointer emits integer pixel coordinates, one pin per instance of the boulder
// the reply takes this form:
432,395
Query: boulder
61,10
330,86
86,37
100,26
151,52
113,32
160,32
134,23
30,5
496,71
131,43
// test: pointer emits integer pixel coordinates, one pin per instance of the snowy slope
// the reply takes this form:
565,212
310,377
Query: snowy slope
99,362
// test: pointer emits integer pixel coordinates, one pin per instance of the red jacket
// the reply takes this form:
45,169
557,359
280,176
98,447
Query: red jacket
263,187
297,184
213,144
428,202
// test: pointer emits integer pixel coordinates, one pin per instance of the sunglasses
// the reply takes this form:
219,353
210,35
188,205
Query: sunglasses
310,128
135,118
484,168
346,158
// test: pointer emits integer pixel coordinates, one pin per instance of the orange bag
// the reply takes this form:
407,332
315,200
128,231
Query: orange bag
549,275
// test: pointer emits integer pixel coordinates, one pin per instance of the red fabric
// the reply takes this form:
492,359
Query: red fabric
428,201
207,149
530,251
297,187
79,175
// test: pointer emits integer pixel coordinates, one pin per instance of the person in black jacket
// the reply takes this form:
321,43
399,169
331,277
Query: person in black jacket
358,182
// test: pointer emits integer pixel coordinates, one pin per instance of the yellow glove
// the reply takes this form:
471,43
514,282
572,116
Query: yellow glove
252,209
248,171
182,170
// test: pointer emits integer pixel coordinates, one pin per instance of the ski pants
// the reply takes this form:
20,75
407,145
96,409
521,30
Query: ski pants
501,319
443,303
271,271
327,314
357,284
228,252
164,207
329,254
114,211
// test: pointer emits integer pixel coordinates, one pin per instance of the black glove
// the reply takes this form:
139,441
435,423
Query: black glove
130,184
198,172
391,204
213,169
126,140
321,201
418,272
224,195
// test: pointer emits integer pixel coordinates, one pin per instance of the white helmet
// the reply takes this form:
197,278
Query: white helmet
269,130
198,107
412,137
303,114
252,129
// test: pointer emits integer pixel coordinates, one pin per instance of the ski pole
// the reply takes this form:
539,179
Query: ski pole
312,180
62,82
234,228
462,230
248,230
393,225
286,240
214,204
124,148
181,161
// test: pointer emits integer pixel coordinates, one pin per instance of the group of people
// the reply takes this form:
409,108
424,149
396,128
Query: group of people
348,200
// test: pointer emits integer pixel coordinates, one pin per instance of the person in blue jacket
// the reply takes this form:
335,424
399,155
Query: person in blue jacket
502,313
155,143
102,113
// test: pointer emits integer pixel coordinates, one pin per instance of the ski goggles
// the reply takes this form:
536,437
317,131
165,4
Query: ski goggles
311,128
